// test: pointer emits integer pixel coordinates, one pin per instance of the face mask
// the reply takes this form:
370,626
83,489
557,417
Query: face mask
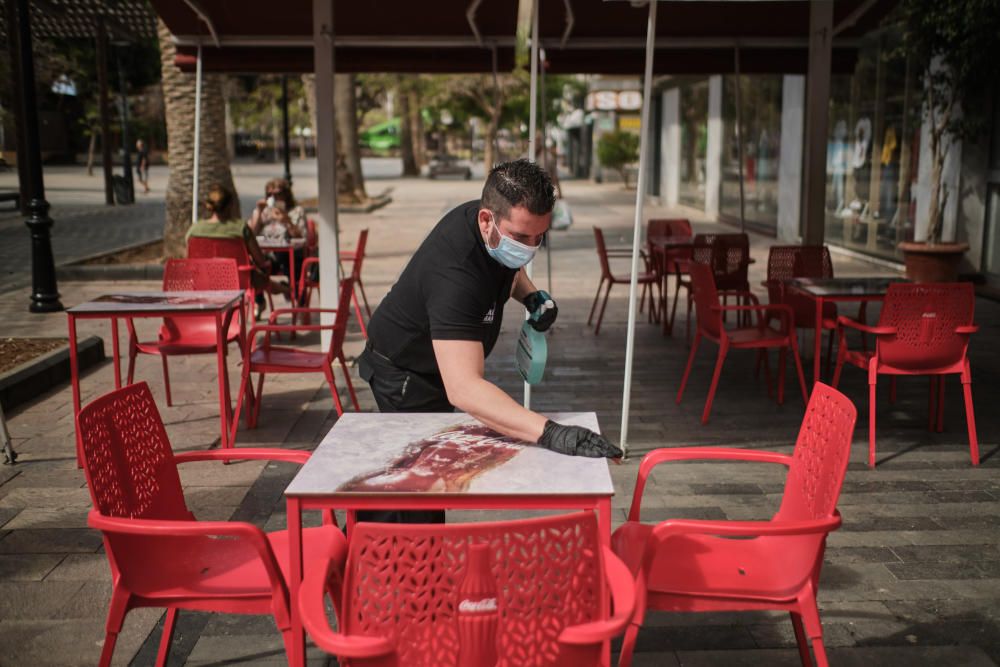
509,252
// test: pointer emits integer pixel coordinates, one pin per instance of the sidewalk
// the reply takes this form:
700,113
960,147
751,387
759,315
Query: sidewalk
913,577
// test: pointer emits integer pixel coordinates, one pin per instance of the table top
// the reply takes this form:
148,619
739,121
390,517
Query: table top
160,301
276,244
443,454
844,287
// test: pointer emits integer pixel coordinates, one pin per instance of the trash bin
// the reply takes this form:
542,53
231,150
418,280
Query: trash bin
123,190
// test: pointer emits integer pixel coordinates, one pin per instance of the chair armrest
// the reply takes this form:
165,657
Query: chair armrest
247,453
311,606
658,456
674,527
851,323
967,329
622,585
275,314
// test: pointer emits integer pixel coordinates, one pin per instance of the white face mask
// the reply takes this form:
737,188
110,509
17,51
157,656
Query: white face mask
512,254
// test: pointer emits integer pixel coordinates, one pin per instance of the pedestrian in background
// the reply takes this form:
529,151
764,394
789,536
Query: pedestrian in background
142,164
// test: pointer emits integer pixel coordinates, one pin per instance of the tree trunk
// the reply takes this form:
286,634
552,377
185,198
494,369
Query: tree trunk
491,156
178,97
935,209
90,152
417,130
410,167
346,112
347,189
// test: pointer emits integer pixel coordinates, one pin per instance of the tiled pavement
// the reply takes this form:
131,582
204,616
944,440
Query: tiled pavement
912,578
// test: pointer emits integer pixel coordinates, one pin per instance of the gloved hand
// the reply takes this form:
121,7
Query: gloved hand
541,302
577,441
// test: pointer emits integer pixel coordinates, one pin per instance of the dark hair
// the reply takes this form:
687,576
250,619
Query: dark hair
518,183
284,187
220,202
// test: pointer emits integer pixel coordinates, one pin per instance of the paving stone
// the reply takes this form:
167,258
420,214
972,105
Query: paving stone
34,600
81,567
51,540
966,656
32,567
948,553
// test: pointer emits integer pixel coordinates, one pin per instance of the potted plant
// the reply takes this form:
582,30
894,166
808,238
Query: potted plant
954,45
617,150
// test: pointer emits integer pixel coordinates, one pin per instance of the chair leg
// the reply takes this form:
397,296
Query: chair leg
801,640
260,399
798,368
628,645
116,616
593,306
673,309
872,381
166,378
782,360
240,397
133,351
604,304
690,303
168,634
687,368
364,297
829,350
328,372
350,385
939,426
723,350
813,627
970,415
357,312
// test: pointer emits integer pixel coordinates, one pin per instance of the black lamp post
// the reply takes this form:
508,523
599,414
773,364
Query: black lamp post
284,128
44,294
126,142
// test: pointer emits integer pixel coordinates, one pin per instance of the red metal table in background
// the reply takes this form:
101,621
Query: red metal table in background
221,305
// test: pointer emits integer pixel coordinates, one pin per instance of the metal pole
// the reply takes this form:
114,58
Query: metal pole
14,52
105,111
44,296
126,147
532,123
739,139
640,195
545,163
284,128
197,138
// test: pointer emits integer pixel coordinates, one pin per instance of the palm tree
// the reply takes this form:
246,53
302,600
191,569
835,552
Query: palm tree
179,99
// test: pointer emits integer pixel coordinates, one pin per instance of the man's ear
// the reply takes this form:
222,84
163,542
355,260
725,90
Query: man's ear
485,219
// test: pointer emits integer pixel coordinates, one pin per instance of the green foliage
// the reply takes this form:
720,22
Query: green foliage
616,150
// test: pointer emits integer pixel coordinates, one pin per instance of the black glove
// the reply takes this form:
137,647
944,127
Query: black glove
541,302
577,441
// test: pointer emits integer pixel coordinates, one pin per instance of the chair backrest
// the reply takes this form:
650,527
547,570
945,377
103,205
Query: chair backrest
730,258
705,296
402,582
340,319
661,227
312,237
127,457
796,261
822,450
925,317
199,248
602,252
359,255
218,273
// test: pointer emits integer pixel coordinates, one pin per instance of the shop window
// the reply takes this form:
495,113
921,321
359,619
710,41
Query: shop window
694,142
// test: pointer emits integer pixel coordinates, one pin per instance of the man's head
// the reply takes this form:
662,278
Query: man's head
518,197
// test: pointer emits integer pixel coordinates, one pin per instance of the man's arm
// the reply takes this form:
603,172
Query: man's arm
522,286
461,364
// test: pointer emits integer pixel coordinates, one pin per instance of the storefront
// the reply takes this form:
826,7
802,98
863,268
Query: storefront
693,142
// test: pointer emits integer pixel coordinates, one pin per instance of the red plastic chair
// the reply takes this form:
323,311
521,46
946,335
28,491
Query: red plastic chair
922,330
355,256
200,248
729,257
709,313
188,335
647,279
403,582
804,261
160,556
689,565
264,358
665,260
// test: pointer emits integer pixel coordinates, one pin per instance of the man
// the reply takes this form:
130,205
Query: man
430,336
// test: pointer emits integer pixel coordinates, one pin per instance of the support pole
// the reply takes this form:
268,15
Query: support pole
549,167
284,128
104,107
44,296
14,52
197,139
532,124
640,196
326,158
817,117
739,140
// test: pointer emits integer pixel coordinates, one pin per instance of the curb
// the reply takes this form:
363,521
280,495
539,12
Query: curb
110,272
33,378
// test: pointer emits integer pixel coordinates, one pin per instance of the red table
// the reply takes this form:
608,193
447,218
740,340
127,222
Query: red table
289,247
821,290
662,248
220,304
371,461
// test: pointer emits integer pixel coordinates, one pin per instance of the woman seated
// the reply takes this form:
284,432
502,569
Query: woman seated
279,218
223,222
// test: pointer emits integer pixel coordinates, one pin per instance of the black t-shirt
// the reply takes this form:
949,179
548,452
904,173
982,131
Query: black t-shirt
451,289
